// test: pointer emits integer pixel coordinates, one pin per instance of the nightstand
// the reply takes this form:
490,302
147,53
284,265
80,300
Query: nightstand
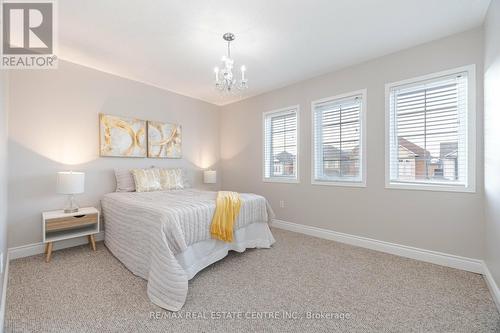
58,226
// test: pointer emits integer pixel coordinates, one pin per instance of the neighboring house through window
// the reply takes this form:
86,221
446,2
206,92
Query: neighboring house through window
338,140
431,132
280,145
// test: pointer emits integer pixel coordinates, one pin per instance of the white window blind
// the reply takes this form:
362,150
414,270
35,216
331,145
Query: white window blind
280,144
428,131
338,148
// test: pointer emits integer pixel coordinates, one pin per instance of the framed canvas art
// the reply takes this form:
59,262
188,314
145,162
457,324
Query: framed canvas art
122,136
164,140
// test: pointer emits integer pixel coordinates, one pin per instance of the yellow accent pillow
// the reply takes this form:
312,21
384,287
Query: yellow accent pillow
146,180
171,179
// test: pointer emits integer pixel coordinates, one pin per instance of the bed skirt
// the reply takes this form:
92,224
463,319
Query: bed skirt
185,265
204,253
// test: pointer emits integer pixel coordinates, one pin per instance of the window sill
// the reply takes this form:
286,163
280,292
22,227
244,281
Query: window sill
338,183
281,180
430,187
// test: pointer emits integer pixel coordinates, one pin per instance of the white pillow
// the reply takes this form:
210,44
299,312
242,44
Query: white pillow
124,181
185,179
146,180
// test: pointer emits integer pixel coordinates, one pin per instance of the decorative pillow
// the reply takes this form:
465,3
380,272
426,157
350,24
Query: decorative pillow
124,181
186,181
171,179
146,180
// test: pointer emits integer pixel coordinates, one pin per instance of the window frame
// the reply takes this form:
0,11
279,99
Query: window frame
363,155
470,186
290,180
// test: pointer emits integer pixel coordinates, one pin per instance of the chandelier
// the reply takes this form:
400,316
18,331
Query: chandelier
225,81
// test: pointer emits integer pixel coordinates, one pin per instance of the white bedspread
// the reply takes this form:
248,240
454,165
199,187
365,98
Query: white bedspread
146,230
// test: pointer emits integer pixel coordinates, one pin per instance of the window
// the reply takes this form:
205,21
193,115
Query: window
338,140
280,145
431,132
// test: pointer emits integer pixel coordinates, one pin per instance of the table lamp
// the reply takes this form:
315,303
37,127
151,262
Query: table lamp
70,183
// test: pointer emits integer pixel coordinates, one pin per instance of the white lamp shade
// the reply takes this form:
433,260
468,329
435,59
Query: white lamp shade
210,176
70,182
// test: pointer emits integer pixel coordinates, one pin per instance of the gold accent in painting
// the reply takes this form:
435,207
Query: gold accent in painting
164,140
122,137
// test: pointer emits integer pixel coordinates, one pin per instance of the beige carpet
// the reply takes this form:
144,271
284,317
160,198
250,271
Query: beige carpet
257,291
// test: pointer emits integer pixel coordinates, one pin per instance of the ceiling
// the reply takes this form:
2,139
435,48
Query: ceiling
175,44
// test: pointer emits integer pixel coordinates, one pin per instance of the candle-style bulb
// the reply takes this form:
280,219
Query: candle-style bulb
243,70
216,71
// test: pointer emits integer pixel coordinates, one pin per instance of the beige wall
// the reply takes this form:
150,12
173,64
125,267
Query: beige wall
492,137
53,126
3,174
441,221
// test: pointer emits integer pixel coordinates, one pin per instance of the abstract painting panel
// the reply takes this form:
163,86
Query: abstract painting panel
122,136
164,140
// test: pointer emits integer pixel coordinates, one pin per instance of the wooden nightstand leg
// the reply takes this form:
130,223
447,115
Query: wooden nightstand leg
49,251
92,242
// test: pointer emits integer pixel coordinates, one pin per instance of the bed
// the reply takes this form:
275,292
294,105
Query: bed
164,236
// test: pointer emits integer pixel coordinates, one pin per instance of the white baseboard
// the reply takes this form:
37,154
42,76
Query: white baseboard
439,258
38,248
4,293
492,285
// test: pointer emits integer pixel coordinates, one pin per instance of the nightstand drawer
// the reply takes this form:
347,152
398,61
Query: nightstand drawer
70,222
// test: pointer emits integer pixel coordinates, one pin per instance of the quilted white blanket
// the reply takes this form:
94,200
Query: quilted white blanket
146,230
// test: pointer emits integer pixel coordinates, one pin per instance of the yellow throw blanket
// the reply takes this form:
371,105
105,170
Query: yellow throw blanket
227,208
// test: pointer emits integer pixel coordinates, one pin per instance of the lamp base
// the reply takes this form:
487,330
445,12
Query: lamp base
71,207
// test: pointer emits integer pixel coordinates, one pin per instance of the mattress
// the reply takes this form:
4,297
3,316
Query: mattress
164,236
